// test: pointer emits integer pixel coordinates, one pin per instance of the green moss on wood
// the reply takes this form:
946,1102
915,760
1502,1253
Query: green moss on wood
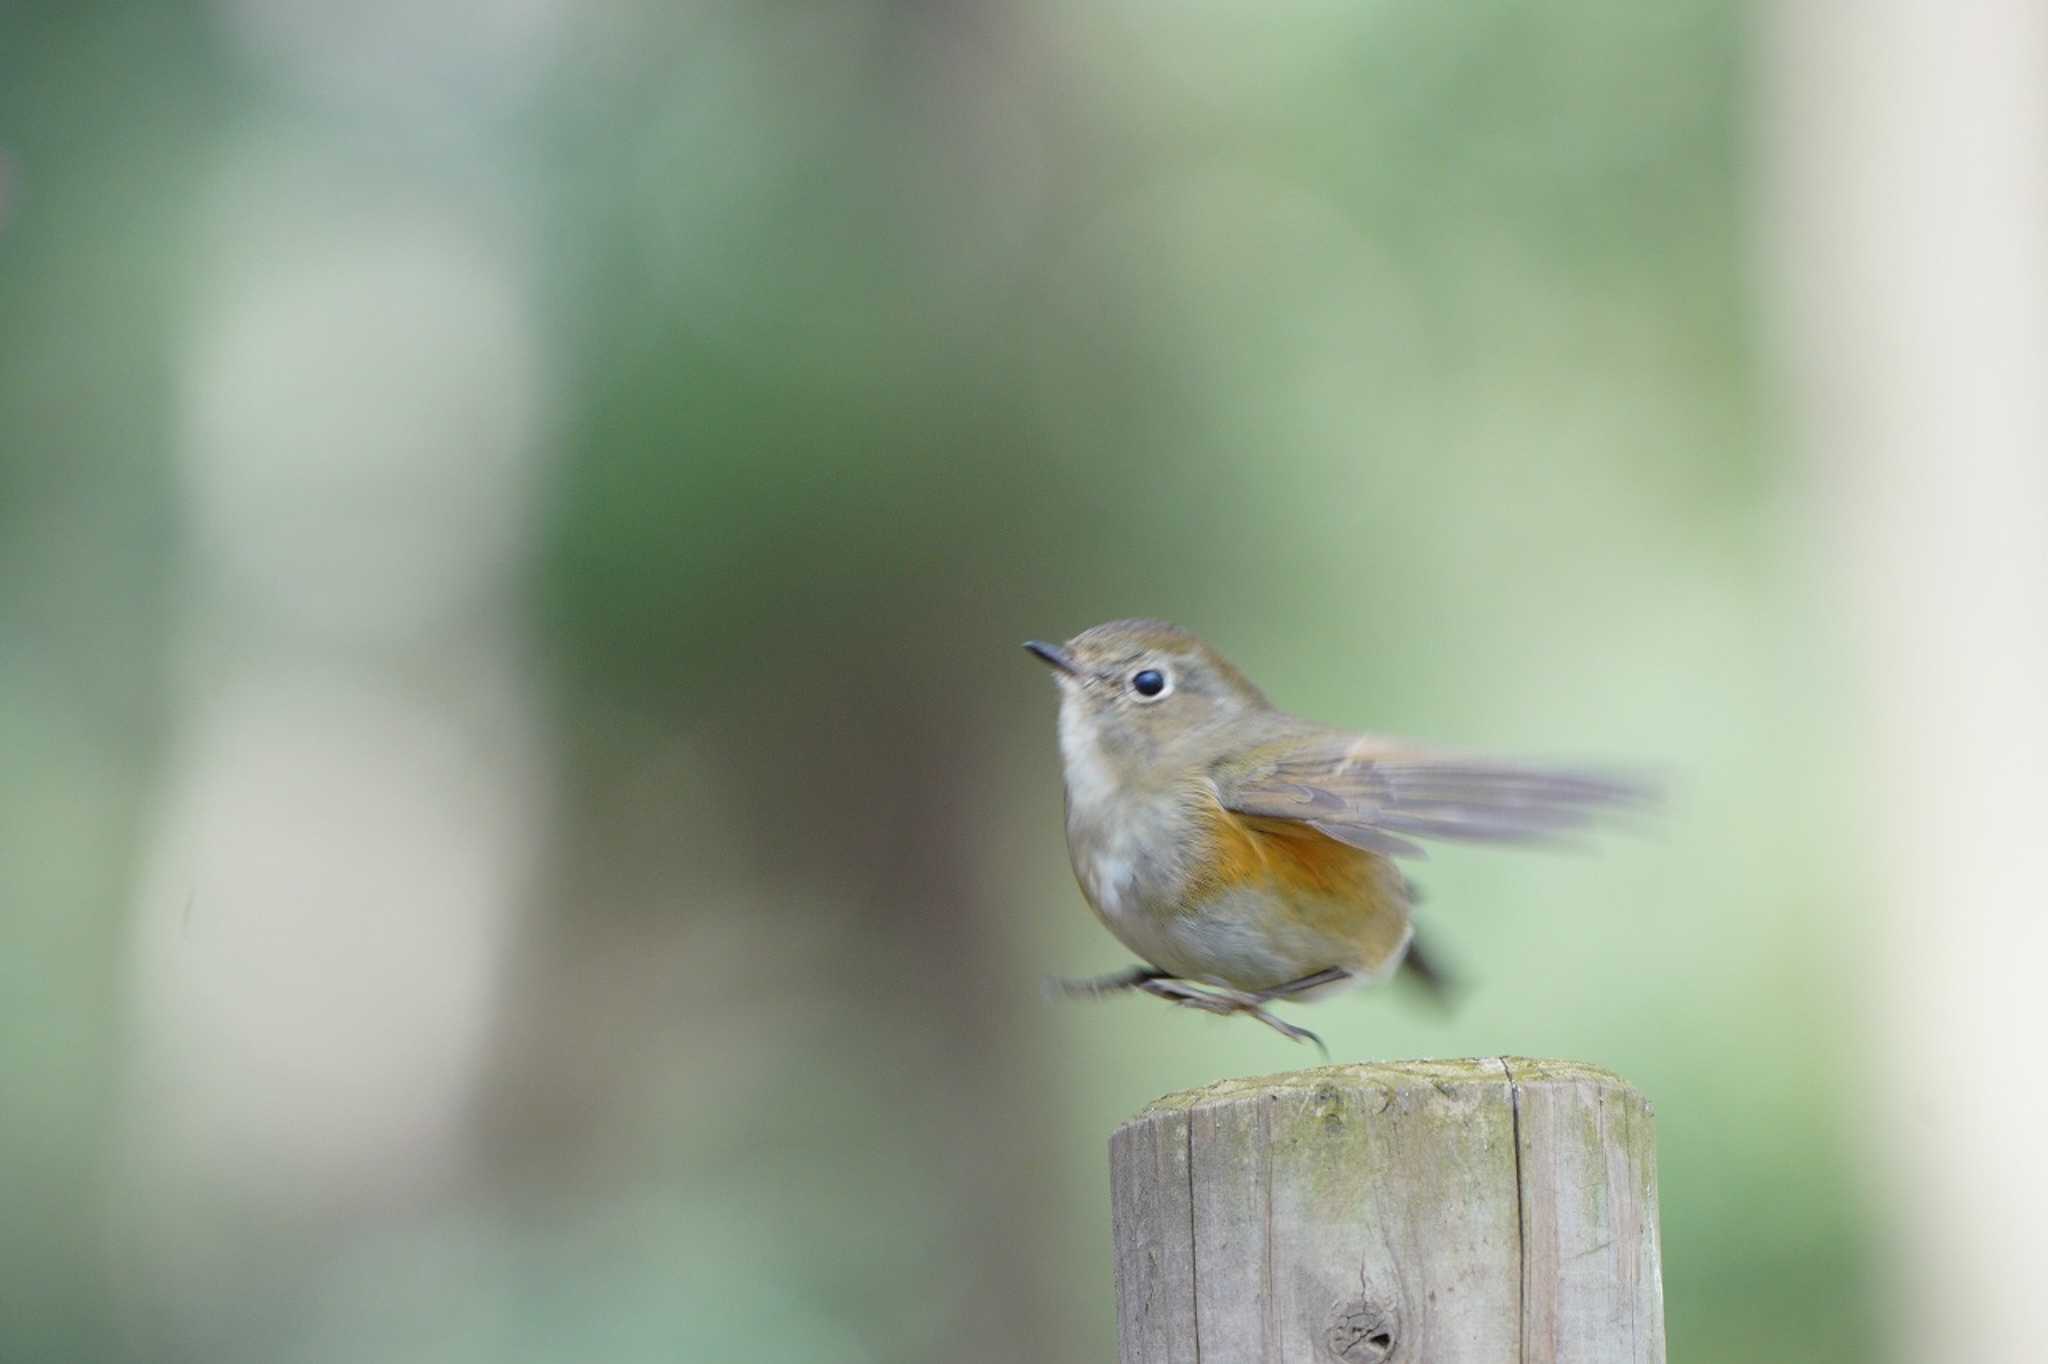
1391,1077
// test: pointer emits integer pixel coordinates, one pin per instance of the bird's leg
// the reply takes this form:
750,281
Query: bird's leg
1305,984
1215,999
1222,1001
1096,987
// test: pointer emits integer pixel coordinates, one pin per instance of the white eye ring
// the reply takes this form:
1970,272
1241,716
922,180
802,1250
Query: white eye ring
1151,684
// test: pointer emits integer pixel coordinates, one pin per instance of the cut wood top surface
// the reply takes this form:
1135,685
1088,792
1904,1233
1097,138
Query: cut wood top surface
1482,1070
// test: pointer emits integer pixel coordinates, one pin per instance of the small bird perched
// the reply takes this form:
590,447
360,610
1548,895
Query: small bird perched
1247,855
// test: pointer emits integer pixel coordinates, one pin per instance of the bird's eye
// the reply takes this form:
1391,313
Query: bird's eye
1149,682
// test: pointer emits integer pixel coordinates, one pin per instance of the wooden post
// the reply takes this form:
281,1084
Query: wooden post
1500,1211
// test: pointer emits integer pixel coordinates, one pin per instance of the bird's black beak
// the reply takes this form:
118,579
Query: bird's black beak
1052,655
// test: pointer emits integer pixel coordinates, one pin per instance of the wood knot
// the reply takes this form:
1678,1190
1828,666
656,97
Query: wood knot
1362,1332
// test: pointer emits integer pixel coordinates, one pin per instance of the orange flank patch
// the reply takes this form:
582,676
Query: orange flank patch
1317,885
1290,858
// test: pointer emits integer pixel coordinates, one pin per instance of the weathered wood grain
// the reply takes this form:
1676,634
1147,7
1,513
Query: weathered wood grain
1152,1219
1421,1212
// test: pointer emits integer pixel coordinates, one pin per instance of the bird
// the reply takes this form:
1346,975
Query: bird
1246,855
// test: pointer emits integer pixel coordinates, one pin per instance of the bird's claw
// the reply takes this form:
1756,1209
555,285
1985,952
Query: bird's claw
1223,1002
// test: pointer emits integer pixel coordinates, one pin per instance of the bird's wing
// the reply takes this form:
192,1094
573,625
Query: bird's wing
1381,795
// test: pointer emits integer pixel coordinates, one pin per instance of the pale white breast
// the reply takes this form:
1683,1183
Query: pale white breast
1127,859
1091,781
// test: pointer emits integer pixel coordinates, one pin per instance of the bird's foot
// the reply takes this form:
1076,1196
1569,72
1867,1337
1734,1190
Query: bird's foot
1223,1002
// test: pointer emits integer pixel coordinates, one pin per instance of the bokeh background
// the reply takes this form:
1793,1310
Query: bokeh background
525,833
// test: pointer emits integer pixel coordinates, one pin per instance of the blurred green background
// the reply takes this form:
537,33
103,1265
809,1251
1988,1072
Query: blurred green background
525,832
